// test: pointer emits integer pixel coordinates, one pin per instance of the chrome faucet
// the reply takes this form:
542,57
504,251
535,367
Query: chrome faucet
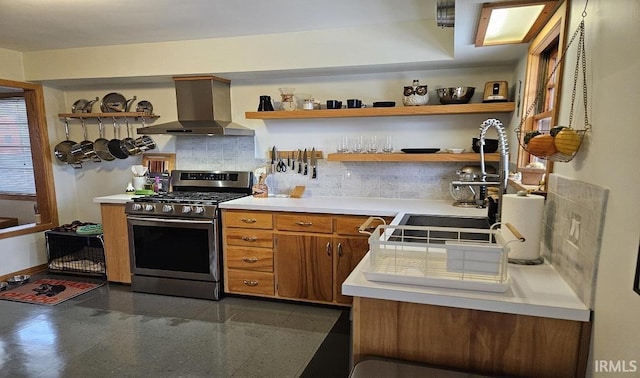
503,171
482,183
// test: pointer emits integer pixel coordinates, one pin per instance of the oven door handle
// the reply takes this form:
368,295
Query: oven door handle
170,220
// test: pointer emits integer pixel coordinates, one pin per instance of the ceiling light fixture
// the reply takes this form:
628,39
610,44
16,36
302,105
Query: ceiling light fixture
512,22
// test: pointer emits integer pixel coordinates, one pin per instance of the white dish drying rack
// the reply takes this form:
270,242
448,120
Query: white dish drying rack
459,258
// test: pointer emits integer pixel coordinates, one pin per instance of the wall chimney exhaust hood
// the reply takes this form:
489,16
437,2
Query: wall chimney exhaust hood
204,108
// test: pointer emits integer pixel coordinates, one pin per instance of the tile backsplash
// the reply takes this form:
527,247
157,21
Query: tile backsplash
576,202
414,180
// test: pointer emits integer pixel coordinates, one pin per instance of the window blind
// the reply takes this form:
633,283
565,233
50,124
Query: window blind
16,164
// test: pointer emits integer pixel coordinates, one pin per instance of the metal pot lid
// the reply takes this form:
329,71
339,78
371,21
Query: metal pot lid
145,107
113,102
79,106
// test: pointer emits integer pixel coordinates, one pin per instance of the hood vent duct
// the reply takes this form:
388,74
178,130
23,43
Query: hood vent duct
204,108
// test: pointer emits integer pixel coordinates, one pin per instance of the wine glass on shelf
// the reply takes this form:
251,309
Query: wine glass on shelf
358,145
388,145
372,146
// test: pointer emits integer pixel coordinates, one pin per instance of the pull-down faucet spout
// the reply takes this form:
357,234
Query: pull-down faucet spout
504,163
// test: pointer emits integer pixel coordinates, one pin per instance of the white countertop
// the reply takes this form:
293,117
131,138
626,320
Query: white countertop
536,290
353,206
116,198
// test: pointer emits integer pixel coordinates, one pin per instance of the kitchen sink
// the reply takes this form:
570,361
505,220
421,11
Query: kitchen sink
426,220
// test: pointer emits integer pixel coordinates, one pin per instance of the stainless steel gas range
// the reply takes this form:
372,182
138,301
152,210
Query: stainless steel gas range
174,238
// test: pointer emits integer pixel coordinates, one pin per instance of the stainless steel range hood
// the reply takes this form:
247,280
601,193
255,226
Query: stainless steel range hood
204,108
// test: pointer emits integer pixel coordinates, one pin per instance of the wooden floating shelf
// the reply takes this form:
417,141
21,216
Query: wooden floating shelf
108,115
494,107
404,157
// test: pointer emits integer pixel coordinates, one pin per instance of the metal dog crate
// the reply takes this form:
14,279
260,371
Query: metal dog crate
73,253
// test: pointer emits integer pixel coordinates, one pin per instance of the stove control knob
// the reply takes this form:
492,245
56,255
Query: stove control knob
199,210
186,209
167,208
149,207
136,207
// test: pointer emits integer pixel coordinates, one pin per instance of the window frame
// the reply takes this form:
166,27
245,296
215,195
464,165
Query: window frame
554,30
42,161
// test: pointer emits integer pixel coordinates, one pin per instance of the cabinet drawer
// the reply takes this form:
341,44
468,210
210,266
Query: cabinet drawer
349,224
248,237
247,219
249,258
244,281
304,222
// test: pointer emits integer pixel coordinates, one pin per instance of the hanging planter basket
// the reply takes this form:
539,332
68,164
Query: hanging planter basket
561,143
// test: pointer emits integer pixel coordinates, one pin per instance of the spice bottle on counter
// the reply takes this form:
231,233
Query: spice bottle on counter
157,186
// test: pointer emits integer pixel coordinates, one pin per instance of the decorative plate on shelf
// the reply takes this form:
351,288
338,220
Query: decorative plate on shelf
419,150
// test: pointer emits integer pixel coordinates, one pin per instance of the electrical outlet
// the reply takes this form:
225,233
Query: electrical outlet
574,228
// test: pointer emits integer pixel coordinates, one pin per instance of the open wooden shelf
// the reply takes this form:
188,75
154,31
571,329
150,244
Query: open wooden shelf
404,157
494,107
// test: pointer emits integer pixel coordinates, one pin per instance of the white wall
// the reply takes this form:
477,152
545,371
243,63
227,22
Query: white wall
12,67
609,159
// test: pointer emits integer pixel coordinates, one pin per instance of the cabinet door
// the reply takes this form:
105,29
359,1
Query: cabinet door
348,253
304,267
116,243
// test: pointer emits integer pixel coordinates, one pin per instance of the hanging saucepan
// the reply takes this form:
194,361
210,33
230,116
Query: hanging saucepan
128,142
144,143
115,145
84,150
89,106
101,145
63,149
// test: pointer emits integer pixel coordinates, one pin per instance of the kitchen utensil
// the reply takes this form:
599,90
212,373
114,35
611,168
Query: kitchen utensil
265,105
63,149
495,91
455,95
144,106
490,145
304,160
115,145
384,104
289,159
419,150
139,170
273,159
128,142
101,145
288,103
280,165
314,161
88,108
115,102
79,105
299,158
354,103
84,150
455,150
144,143
334,104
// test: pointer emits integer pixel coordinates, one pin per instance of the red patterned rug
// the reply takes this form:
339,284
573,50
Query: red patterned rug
47,291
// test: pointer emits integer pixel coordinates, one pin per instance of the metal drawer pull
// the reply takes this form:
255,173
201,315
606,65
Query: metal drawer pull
339,249
328,248
249,238
250,259
250,283
305,224
249,220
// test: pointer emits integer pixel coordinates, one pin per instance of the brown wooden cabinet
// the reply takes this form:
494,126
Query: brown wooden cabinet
305,267
248,265
116,243
486,342
299,256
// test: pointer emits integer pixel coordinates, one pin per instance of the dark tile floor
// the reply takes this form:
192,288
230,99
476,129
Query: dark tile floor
111,331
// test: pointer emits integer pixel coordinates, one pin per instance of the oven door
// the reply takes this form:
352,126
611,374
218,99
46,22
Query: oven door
174,248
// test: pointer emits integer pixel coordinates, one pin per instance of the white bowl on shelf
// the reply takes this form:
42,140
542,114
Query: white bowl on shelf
455,150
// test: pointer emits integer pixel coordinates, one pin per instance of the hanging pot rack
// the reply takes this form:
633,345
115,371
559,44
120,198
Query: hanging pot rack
571,138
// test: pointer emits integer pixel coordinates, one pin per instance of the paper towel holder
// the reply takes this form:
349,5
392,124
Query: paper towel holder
537,261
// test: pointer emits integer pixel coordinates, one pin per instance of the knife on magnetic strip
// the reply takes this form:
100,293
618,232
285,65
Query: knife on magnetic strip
304,160
314,161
